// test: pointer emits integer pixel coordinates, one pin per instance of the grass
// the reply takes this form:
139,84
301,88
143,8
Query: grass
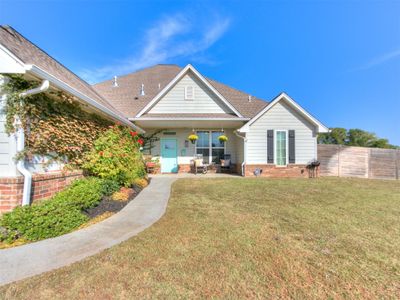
253,238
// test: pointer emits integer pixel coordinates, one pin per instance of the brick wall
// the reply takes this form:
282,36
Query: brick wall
184,168
187,168
274,171
43,186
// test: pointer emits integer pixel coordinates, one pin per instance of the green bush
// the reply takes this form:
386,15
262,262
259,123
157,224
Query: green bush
116,156
56,216
109,187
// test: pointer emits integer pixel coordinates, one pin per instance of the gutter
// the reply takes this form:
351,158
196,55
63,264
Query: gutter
187,119
244,150
62,85
20,136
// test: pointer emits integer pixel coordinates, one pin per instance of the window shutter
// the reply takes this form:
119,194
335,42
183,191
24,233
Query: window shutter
270,146
292,148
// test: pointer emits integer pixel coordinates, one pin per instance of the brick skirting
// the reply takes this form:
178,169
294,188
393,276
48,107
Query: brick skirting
43,186
186,168
274,171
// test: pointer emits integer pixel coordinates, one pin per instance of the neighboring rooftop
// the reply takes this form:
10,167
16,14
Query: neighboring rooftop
126,97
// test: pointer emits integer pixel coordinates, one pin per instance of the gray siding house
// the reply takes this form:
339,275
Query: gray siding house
276,138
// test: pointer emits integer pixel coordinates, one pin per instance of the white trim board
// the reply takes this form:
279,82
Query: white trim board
180,75
286,131
9,62
283,96
187,119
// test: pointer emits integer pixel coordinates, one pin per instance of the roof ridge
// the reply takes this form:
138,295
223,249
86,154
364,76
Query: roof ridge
137,71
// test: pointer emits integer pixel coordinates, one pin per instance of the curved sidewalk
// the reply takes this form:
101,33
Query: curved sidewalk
32,259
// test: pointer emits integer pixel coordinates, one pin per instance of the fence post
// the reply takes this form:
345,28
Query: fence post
369,163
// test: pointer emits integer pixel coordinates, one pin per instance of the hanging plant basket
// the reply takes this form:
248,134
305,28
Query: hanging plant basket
193,138
223,138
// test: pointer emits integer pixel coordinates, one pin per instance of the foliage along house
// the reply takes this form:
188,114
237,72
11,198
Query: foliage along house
277,138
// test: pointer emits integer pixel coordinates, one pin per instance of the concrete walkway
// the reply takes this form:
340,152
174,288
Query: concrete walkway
32,259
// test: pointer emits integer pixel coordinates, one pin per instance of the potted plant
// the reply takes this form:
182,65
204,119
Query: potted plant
223,138
152,164
193,138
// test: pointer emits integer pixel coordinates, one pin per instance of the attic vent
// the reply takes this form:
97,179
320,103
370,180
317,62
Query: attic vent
142,90
159,86
189,92
115,82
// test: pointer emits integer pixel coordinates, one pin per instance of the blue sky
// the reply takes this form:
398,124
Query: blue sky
339,59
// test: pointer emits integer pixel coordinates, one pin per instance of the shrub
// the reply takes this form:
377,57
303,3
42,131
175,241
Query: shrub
116,156
56,216
141,182
109,187
82,194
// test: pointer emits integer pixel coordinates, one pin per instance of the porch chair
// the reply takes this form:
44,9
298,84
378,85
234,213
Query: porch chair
199,165
226,165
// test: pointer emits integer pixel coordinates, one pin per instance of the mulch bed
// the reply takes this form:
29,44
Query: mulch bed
107,204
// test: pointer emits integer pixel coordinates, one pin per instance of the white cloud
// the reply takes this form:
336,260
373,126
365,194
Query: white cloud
381,59
170,38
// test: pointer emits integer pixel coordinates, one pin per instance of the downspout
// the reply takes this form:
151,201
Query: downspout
244,150
20,135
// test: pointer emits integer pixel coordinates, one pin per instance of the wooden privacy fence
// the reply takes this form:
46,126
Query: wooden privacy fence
345,161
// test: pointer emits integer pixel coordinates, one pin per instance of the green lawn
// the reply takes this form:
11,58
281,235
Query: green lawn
249,238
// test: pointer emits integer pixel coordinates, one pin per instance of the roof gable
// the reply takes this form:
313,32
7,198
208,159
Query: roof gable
127,99
202,83
293,104
9,63
205,101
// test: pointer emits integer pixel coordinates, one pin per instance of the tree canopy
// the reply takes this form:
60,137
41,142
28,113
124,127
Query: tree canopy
354,137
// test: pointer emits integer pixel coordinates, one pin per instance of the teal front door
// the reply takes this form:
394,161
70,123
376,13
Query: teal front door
169,156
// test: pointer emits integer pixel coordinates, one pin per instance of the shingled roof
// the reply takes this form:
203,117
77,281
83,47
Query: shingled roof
126,97
30,54
123,100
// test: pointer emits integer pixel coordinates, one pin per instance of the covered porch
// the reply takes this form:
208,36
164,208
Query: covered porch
171,147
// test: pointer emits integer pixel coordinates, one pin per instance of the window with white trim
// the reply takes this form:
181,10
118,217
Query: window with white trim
209,146
189,92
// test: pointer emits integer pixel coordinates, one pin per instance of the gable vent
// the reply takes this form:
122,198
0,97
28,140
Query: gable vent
189,92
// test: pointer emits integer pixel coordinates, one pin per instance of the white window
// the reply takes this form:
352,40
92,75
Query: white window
189,92
209,146
281,148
